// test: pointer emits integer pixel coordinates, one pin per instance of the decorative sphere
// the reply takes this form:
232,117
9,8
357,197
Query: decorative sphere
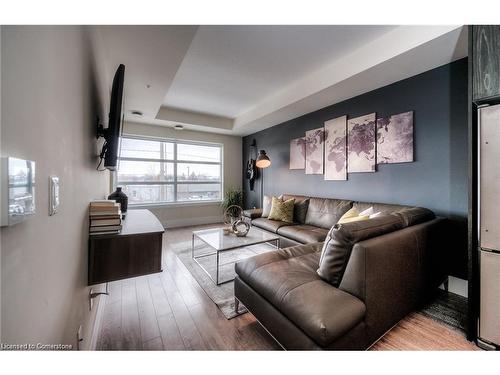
241,228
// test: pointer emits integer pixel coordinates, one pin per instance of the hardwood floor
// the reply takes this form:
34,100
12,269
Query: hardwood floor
170,311
418,332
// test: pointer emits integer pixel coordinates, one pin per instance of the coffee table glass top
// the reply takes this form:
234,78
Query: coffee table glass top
219,241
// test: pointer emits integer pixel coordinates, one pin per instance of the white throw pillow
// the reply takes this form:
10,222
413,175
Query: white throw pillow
367,212
266,206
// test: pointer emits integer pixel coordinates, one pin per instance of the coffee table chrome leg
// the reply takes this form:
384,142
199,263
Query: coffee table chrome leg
192,246
217,270
236,305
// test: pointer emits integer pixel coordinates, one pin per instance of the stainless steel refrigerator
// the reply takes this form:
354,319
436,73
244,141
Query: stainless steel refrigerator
489,225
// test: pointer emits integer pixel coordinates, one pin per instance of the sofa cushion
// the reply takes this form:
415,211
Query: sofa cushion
282,210
352,212
303,233
266,206
325,213
353,219
353,215
269,225
369,211
247,266
342,237
300,207
287,279
300,211
253,213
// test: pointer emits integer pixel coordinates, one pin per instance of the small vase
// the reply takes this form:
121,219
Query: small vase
120,197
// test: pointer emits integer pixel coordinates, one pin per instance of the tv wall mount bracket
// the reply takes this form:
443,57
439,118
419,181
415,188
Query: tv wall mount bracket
101,131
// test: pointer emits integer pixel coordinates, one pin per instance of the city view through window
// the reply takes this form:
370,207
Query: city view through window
153,171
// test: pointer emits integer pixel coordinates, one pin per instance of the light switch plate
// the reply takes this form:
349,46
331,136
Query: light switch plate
53,195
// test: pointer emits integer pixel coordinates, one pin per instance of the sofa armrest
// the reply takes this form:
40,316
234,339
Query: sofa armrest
253,213
393,272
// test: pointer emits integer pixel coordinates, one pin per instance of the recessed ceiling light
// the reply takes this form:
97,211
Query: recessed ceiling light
178,127
148,86
136,113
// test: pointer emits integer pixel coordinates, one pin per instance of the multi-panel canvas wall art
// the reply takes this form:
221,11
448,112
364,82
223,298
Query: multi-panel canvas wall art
356,145
298,153
361,144
336,149
314,151
395,138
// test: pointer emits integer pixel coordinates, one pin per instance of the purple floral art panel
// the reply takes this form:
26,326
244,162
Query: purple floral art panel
395,139
315,151
336,149
361,144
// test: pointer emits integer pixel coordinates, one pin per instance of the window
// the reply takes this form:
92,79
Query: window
168,171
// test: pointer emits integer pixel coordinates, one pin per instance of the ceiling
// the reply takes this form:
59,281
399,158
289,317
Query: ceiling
228,69
242,79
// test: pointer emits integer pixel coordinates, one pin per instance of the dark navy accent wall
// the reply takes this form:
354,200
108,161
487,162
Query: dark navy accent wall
436,180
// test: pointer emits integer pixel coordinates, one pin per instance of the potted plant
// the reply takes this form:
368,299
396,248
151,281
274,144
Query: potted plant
233,203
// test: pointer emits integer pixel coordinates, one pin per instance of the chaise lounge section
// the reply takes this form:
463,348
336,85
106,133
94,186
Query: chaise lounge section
383,267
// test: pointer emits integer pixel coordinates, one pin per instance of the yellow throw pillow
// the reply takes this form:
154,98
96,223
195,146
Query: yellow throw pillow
353,212
355,218
282,210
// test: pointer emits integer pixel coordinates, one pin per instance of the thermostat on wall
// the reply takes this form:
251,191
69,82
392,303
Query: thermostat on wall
53,195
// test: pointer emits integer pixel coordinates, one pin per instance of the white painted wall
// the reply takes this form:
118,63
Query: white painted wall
48,111
202,213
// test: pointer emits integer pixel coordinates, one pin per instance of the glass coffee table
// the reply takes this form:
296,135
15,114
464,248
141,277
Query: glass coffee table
220,242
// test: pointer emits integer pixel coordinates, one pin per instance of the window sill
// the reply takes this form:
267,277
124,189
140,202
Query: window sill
174,204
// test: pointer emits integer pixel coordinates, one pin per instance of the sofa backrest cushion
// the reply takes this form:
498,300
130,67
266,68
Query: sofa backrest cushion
414,215
325,212
300,207
342,237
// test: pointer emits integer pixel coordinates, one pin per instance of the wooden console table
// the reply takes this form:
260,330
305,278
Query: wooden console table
134,252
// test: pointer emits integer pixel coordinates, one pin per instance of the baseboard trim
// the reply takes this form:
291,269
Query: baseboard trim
177,223
101,301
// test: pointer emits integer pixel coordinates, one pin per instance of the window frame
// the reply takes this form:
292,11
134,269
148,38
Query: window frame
175,203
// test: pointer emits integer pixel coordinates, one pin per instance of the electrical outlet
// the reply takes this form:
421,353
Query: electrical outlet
91,299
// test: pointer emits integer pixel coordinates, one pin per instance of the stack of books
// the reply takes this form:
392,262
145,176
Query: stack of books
105,217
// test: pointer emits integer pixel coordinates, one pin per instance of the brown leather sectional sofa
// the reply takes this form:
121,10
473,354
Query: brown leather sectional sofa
388,266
